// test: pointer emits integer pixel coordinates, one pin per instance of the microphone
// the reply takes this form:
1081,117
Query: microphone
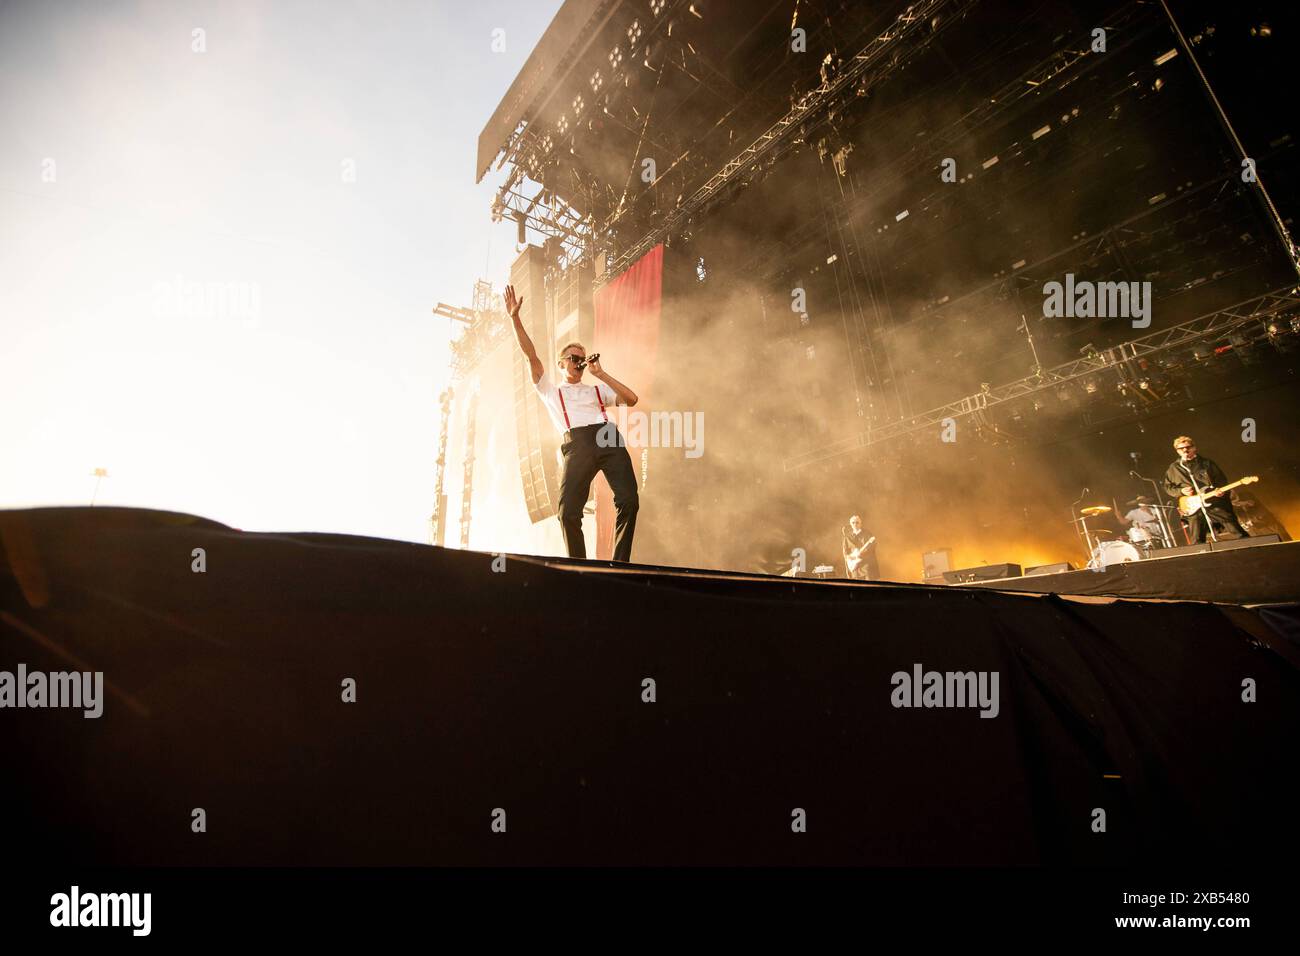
594,357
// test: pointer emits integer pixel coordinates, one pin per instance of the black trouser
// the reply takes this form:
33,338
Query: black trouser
1224,518
584,455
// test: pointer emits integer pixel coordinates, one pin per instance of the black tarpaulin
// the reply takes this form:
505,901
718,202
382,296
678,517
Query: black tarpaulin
522,690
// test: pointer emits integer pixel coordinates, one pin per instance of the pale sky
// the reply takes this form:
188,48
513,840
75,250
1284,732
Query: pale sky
298,390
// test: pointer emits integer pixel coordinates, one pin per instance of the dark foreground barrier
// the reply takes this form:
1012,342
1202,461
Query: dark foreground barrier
519,699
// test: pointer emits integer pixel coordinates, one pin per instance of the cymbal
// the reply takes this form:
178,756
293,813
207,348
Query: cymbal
1094,510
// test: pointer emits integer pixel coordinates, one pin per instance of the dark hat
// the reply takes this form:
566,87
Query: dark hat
1141,500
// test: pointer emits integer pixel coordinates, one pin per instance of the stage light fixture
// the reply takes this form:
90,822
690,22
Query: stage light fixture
596,81
657,6
634,33
697,8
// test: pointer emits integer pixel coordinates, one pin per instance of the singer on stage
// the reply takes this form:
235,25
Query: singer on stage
591,442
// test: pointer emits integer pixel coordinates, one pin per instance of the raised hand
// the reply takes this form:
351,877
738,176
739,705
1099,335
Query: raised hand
513,304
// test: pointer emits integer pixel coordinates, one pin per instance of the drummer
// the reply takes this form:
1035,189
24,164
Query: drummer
1144,518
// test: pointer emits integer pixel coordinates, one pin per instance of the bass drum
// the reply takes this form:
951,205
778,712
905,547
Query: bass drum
1113,552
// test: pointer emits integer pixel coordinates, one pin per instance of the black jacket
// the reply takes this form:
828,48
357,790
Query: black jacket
1207,472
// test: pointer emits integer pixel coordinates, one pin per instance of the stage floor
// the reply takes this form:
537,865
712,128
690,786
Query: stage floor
1260,574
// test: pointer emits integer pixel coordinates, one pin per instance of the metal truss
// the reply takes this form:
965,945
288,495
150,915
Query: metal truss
531,150
546,213
853,78
1239,318
485,326
437,520
1060,67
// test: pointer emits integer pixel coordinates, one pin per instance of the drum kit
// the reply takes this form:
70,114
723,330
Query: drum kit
1106,547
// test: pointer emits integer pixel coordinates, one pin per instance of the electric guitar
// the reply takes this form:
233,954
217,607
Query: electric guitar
1188,505
855,558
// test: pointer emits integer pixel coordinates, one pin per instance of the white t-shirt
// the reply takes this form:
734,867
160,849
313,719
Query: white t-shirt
579,401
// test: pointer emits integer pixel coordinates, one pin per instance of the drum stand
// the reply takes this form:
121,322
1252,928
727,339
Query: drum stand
1166,531
1162,512
1089,547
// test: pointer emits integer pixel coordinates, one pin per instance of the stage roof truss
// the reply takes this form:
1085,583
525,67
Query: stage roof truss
1245,318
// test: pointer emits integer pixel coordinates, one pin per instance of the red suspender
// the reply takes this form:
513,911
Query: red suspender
564,408
560,391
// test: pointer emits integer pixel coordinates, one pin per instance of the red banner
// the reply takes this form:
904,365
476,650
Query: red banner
627,338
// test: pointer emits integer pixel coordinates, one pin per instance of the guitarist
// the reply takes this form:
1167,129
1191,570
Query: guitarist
1193,475
859,551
